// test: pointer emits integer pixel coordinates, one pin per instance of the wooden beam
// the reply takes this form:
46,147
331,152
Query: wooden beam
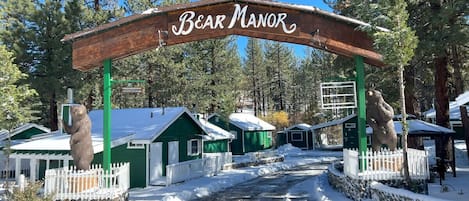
140,33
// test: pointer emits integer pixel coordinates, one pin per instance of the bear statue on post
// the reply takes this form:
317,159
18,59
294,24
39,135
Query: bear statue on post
379,115
80,137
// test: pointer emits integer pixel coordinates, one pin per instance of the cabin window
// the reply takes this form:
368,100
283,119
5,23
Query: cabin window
131,145
194,147
269,135
296,136
235,134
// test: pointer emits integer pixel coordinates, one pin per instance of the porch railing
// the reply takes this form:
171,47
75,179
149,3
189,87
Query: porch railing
187,170
385,164
222,158
93,184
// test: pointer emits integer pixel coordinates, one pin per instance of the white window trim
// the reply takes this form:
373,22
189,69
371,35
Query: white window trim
189,147
131,145
235,134
296,133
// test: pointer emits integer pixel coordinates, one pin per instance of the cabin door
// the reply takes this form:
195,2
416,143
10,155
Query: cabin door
156,163
173,152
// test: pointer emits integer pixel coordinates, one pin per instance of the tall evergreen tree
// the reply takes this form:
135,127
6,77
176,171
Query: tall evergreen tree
254,71
214,72
279,64
15,107
442,29
396,45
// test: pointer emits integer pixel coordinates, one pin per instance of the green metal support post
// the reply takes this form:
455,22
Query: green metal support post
107,116
362,144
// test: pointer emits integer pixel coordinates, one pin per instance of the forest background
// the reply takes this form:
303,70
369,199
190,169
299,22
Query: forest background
210,76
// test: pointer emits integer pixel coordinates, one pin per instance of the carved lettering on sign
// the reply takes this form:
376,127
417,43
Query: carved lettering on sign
189,20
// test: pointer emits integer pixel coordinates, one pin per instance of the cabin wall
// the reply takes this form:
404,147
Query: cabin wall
136,158
216,146
181,130
257,141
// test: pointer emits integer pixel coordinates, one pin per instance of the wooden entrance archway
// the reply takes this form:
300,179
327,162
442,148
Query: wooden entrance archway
216,18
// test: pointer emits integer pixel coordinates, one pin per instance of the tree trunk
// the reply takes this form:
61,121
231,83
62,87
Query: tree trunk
90,100
151,99
404,124
96,5
457,75
53,121
411,103
444,151
441,91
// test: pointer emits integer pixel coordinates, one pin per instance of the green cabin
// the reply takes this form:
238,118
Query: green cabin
23,133
299,135
217,139
251,133
147,138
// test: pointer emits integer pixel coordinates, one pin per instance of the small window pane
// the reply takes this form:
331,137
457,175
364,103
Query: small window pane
297,137
194,147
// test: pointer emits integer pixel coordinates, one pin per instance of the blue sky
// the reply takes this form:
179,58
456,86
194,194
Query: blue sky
300,50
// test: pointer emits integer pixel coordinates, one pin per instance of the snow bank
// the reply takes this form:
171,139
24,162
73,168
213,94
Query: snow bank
288,149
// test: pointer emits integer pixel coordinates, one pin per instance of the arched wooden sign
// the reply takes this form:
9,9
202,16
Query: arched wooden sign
216,18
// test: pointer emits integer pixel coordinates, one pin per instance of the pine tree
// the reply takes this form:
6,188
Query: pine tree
214,70
279,63
396,45
254,71
16,98
442,28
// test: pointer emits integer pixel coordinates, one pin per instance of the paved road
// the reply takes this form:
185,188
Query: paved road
271,187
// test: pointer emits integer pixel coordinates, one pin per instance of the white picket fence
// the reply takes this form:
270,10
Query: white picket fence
385,164
93,184
210,165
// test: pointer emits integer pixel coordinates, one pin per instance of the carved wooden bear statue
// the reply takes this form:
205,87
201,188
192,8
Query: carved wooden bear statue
80,137
379,116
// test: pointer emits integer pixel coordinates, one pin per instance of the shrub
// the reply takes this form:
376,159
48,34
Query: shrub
31,192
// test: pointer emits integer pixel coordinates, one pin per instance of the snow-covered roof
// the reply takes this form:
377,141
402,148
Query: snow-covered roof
28,126
454,112
145,123
56,142
418,127
140,125
3,134
333,122
22,128
301,126
214,132
249,122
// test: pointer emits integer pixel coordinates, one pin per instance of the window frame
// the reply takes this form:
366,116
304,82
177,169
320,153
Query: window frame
296,139
190,147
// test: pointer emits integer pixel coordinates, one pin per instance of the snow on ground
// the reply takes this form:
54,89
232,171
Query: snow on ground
456,187
453,188
206,185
